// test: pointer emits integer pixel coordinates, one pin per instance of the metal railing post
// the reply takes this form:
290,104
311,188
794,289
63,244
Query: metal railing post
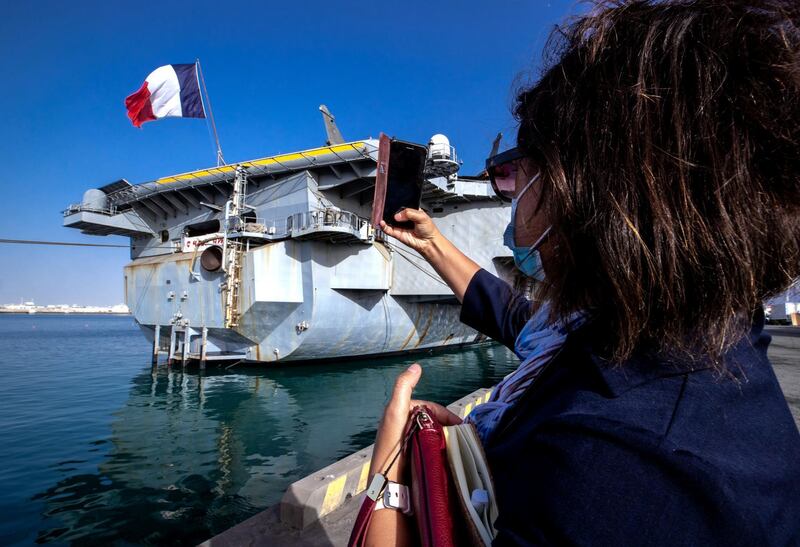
171,345
186,339
203,343
156,344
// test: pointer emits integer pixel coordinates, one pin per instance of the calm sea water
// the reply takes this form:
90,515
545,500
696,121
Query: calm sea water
98,450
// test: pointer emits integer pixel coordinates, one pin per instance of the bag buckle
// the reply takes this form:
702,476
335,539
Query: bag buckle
376,487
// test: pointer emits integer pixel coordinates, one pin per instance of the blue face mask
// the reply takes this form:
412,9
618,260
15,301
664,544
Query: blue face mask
527,259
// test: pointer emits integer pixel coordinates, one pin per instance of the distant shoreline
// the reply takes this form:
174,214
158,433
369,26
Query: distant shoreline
46,312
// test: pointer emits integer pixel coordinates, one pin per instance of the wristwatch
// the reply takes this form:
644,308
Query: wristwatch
395,496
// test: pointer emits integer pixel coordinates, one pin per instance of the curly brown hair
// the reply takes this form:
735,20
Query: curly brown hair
668,138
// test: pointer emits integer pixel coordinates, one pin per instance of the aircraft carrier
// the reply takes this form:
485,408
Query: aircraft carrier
275,259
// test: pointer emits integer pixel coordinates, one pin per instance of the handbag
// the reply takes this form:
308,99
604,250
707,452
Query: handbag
432,494
451,487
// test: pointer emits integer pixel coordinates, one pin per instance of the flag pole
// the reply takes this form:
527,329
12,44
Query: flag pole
220,159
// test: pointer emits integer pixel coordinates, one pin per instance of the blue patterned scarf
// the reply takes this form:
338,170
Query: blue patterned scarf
537,344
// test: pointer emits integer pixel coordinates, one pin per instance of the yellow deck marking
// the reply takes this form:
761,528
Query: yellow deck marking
467,409
273,160
362,479
333,495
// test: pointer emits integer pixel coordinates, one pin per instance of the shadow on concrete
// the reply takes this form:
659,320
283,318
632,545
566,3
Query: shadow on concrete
266,529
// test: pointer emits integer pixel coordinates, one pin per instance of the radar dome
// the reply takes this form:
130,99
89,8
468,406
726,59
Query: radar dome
94,199
439,146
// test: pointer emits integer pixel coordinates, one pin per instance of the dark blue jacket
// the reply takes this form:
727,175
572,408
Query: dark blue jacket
647,453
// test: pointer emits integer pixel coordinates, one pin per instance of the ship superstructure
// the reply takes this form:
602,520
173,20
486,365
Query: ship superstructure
275,258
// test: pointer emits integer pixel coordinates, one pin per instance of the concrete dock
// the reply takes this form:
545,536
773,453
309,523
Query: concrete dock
784,353
320,509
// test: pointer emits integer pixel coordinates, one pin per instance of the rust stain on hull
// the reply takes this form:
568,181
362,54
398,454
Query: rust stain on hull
413,327
425,330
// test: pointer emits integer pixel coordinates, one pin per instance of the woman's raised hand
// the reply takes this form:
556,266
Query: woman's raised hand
395,419
420,237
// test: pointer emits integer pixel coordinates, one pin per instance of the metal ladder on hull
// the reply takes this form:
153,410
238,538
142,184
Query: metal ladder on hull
232,250
232,285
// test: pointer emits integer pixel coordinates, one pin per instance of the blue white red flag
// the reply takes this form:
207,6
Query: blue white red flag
168,91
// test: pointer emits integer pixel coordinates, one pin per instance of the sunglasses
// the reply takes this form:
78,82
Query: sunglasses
502,169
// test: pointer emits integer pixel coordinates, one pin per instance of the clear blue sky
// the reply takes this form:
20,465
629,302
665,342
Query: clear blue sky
410,69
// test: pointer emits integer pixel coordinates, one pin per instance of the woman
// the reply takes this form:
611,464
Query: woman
656,190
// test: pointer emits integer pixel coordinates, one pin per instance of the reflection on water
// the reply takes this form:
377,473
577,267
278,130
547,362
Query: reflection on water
188,454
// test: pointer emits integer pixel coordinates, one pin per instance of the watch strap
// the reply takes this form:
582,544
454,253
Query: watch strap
395,496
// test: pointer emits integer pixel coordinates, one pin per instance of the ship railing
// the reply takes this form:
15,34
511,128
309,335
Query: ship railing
442,152
81,208
328,223
265,226
442,161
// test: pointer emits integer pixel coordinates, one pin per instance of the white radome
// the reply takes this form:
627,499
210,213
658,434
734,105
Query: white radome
439,146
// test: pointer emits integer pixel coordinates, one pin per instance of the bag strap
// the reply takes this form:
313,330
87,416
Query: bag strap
359,534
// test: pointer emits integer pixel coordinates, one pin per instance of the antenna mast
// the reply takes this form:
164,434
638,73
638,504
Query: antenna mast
220,159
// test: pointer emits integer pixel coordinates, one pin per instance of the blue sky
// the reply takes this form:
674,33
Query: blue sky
409,69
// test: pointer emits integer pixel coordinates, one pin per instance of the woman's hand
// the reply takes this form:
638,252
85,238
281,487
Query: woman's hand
394,421
421,237
393,527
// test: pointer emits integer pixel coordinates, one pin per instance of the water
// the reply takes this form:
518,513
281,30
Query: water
97,450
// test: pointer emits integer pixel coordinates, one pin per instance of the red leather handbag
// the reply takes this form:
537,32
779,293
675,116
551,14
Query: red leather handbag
432,493
431,485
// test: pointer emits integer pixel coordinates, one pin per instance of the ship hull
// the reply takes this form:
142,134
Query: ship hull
301,301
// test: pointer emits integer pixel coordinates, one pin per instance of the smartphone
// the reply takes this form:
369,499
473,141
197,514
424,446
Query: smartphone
399,179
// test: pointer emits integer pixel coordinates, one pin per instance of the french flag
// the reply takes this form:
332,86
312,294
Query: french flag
168,91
